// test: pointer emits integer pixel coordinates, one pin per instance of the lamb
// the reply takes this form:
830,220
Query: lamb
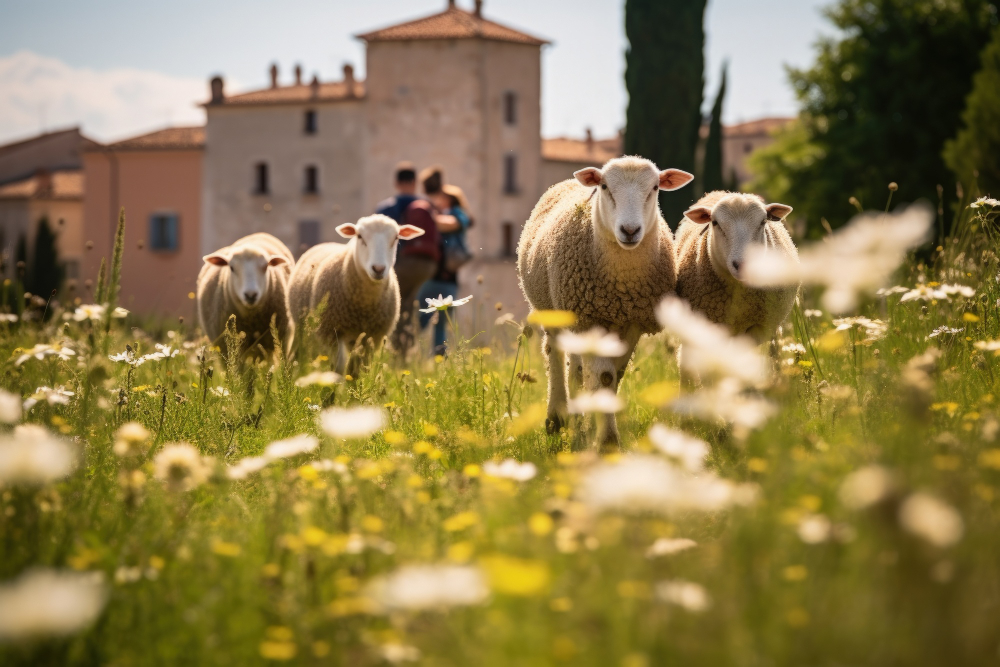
247,279
710,258
598,246
357,281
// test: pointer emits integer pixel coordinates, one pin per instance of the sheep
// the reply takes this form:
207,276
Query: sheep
710,258
357,282
598,246
248,280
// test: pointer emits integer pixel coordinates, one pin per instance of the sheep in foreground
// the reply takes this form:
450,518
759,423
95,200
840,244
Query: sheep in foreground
712,243
357,282
247,279
597,246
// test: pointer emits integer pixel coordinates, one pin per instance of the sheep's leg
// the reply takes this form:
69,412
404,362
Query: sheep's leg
574,369
600,373
340,365
555,363
690,380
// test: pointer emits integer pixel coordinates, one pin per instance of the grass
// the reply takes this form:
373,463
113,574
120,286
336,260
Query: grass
273,568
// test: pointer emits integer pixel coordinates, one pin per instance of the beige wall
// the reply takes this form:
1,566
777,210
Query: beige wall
145,182
441,102
20,217
736,150
238,137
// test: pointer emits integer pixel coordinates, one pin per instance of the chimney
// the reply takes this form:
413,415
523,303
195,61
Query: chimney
349,79
590,140
44,179
298,75
274,75
216,86
451,4
479,9
315,86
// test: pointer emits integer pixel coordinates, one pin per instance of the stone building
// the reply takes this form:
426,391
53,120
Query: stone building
157,178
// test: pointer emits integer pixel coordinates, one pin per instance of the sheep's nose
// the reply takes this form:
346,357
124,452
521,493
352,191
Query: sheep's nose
378,270
736,265
251,297
630,232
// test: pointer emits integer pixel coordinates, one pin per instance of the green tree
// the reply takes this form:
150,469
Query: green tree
711,171
974,155
877,106
45,273
664,74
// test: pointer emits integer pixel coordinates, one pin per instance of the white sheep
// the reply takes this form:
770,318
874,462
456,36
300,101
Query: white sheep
712,243
247,279
597,246
355,279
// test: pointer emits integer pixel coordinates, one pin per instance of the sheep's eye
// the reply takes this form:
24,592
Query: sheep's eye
395,240
655,188
363,242
715,223
604,186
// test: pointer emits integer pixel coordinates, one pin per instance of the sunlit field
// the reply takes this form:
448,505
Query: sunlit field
163,506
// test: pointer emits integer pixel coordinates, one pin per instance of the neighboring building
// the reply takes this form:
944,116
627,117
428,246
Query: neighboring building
739,141
52,151
453,89
53,195
157,178
288,160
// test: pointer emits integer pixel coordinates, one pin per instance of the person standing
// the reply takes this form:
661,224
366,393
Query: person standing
417,259
453,221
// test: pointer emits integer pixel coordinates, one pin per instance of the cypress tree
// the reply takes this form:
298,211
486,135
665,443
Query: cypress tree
974,155
664,74
711,173
45,274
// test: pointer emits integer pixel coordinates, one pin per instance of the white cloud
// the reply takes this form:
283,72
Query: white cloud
40,93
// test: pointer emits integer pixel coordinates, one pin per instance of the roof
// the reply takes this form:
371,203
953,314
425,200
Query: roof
171,138
334,91
761,126
66,184
47,136
452,23
564,149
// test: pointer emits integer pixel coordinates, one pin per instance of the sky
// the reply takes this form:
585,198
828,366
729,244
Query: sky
119,68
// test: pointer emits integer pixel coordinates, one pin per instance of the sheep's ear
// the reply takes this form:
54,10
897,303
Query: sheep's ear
407,232
276,260
216,259
776,212
674,179
347,230
701,215
590,176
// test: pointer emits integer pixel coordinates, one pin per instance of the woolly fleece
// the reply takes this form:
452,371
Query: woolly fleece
215,304
723,299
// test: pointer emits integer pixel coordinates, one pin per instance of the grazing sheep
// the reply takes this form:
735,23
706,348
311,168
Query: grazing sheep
356,279
247,279
710,257
597,246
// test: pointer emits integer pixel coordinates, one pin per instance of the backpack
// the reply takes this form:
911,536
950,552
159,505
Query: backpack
395,207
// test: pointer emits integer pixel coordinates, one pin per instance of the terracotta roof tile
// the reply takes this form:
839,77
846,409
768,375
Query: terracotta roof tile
761,126
66,184
564,149
334,91
453,23
171,138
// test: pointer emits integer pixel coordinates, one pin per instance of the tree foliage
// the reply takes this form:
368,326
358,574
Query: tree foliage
45,273
664,75
974,155
877,106
711,171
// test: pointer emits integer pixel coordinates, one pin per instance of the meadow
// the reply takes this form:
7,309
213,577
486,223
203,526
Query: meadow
843,512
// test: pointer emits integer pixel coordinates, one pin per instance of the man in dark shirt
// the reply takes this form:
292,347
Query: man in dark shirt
417,259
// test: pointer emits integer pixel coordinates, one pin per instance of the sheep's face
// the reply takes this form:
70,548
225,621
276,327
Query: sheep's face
375,241
248,267
626,204
737,221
